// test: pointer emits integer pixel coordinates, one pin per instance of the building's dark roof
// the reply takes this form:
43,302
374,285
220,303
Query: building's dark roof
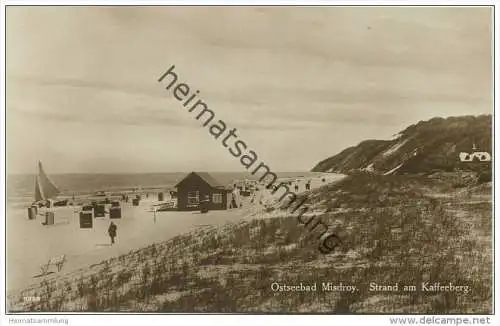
209,179
206,177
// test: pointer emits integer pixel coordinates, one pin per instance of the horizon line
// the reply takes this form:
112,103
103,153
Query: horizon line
117,173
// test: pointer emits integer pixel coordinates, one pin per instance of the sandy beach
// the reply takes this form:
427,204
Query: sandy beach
31,244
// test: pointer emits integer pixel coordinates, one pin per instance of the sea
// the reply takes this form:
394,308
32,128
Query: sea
20,187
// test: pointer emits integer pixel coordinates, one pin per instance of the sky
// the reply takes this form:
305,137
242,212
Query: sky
300,84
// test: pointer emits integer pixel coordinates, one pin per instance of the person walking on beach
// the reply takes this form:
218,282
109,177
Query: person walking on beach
112,232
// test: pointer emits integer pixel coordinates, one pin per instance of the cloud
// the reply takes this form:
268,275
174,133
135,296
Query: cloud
284,76
80,83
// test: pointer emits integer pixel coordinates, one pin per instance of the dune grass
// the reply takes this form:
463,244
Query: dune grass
395,229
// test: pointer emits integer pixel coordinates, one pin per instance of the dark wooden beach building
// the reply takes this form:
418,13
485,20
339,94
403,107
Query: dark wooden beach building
199,186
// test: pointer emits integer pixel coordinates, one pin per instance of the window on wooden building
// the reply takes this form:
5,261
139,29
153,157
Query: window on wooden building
217,198
193,198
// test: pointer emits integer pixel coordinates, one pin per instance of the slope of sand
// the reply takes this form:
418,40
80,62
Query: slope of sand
267,198
30,244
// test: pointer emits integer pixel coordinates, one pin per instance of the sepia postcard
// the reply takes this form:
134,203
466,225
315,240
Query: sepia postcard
249,160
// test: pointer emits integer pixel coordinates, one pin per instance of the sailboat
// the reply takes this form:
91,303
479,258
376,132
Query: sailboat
45,190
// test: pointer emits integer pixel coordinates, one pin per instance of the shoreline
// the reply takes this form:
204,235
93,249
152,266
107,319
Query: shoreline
20,186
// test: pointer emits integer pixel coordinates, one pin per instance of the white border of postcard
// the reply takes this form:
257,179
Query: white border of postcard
152,319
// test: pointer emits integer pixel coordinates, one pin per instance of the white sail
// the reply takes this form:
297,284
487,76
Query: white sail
44,188
38,191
